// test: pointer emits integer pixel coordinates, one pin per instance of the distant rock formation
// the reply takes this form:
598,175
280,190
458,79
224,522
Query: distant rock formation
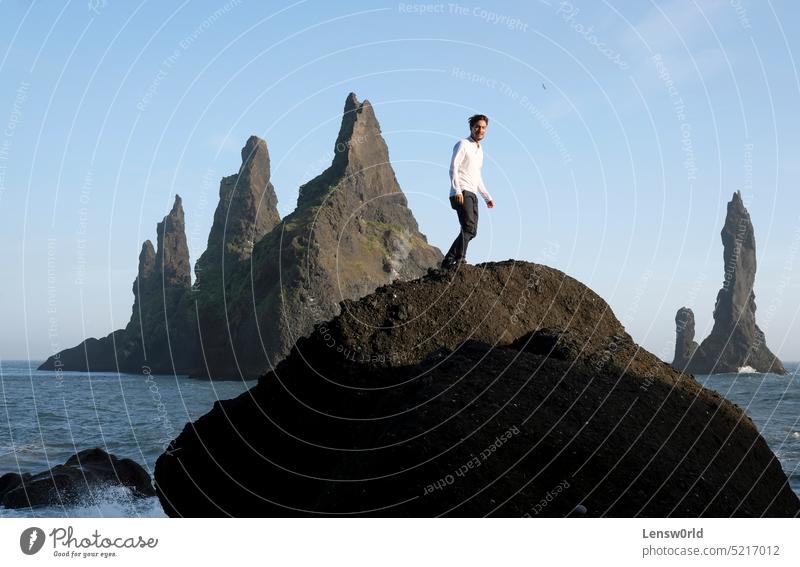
685,346
263,282
351,232
151,336
735,341
247,210
74,481
474,393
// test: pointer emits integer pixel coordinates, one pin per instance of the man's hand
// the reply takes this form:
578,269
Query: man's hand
490,204
460,198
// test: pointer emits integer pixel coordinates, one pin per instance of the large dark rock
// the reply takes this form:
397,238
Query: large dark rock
481,392
75,480
735,341
685,346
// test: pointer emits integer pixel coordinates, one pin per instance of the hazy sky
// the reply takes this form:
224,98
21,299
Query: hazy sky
618,132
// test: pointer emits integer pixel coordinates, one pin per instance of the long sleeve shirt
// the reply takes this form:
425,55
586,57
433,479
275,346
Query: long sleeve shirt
465,169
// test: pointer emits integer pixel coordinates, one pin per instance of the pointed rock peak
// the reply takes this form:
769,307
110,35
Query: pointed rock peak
246,211
351,102
147,266
253,150
736,205
172,221
355,111
359,143
147,257
172,255
177,206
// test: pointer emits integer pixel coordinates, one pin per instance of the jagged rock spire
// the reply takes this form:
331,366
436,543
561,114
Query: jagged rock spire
351,232
360,159
172,255
736,341
247,210
685,346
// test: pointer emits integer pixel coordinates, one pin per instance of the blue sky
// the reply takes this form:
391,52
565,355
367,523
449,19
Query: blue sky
618,132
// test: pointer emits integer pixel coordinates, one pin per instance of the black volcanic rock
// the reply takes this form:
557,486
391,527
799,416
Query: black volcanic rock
685,346
73,481
736,341
469,394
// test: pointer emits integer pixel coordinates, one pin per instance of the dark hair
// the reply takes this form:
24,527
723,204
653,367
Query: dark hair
473,119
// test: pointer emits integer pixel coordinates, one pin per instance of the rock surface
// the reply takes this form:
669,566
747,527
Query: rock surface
735,341
474,393
73,481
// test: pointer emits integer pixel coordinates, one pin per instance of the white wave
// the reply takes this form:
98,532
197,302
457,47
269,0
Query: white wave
747,370
104,501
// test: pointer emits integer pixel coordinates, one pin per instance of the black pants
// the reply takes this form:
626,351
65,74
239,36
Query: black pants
468,219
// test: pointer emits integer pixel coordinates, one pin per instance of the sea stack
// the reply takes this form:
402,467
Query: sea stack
685,346
154,338
735,341
246,211
264,281
351,232
154,335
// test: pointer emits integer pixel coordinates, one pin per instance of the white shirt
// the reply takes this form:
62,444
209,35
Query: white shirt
465,169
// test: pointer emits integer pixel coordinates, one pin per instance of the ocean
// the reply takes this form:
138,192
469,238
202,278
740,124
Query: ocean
45,419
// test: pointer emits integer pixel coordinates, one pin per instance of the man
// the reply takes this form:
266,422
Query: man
465,184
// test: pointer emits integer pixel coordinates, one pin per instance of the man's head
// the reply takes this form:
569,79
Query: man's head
477,126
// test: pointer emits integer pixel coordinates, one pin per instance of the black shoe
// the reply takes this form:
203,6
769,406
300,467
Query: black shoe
454,265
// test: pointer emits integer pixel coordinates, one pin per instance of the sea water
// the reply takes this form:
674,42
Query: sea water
45,418
773,403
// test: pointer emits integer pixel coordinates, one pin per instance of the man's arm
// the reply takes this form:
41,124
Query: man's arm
484,193
459,151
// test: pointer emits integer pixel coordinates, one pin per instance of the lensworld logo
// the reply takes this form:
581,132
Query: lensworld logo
31,540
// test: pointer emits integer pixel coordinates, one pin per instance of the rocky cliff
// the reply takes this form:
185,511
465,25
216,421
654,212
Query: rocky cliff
735,341
247,210
263,282
351,232
504,389
153,333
